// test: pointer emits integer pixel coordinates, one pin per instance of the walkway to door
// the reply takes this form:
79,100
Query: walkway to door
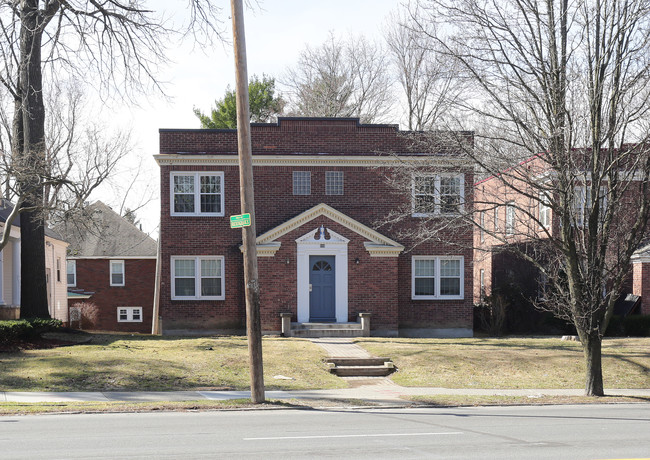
341,347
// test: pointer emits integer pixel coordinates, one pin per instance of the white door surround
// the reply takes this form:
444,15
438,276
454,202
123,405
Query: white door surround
317,243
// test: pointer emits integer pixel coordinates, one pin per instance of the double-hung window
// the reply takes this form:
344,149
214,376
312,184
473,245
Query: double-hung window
510,219
197,278
441,194
197,194
437,277
129,314
117,272
582,203
71,272
544,211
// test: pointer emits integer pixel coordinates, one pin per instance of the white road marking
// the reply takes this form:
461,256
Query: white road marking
351,436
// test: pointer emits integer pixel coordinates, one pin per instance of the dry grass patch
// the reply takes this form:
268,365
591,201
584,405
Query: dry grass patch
494,400
510,362
119,362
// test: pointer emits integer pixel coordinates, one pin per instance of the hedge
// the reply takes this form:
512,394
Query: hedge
15,330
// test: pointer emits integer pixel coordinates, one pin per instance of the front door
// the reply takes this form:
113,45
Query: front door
322,305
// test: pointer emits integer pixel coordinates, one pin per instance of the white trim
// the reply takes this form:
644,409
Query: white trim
337,246
301,160
129,314
110,272
197,278
437,295
331,213
197,193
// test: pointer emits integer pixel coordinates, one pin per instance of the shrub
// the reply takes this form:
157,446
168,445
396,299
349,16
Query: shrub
87,317
21,329
636,326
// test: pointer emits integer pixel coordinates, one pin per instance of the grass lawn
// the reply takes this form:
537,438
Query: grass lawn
510,362
123,362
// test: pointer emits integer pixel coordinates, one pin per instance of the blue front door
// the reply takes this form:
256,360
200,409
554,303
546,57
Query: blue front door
322,305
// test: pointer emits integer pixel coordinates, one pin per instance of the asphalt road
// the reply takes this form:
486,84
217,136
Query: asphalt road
545,432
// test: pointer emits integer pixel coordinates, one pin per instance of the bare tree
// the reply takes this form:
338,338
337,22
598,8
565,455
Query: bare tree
341,79
430,80
122,43
560,97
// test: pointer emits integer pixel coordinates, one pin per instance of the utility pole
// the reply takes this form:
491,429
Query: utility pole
253,323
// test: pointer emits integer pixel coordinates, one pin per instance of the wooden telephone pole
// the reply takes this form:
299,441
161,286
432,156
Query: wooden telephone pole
253,323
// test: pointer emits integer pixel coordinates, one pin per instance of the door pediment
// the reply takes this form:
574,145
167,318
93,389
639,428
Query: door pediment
377,245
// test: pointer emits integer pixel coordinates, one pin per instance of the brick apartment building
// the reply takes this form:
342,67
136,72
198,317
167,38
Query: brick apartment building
324,256
111,267
516,214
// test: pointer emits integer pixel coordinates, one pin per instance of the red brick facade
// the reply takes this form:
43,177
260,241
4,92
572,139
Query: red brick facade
641,283
378,284
93,275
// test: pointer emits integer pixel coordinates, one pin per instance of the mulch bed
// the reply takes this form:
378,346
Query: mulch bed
36,343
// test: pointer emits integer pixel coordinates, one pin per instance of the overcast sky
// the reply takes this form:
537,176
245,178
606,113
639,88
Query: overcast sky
275,34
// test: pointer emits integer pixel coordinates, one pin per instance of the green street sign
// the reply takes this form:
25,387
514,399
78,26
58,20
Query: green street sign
240,220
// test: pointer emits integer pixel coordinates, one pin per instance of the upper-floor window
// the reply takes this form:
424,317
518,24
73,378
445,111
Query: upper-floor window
582,203
197,194
71,271
302,183
58,269
510,219
437,277
197,278
482,226
441,194
117,272
334,182
544,211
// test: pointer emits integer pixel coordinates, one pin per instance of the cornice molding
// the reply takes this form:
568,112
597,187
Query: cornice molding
308,160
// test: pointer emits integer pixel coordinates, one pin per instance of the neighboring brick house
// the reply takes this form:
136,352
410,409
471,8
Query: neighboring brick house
517,214
55,250
111,268
320,197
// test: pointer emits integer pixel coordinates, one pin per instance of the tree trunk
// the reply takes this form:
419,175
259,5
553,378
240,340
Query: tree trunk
591,345
33,286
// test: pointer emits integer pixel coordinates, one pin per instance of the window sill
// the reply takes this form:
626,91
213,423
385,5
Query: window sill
447,297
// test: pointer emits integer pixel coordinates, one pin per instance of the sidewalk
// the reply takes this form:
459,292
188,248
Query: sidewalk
374,390
381,394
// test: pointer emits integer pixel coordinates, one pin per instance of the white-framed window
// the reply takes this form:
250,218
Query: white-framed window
482,224
129,314
333,182
71,272
442,194
437,277
496,219
117,272
302,183
582,203
197,194
482,284
510,218
544,211
58,269
198,278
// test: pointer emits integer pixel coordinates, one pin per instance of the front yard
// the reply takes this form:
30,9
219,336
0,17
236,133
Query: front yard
122,362
510,362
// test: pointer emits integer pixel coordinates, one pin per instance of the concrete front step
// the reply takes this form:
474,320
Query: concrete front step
314,330
358,361
361,367
316,333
